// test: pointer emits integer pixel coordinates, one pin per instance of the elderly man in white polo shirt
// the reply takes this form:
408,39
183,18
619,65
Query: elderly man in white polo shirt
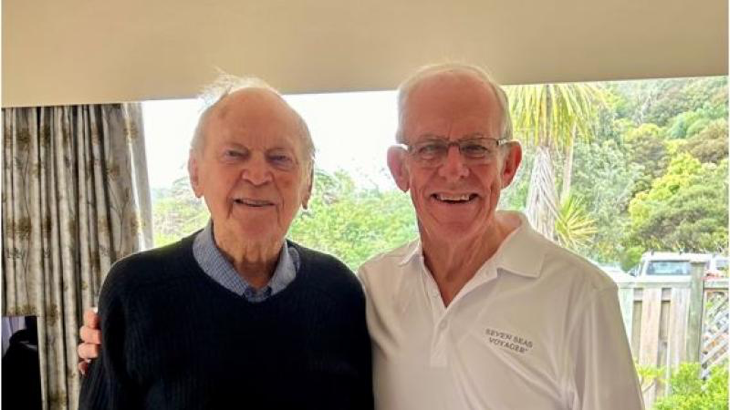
482,312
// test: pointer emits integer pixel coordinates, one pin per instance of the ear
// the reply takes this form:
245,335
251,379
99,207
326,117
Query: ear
308,193
398,168
194,174
511,162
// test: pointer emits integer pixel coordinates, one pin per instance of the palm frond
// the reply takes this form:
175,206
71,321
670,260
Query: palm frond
574,225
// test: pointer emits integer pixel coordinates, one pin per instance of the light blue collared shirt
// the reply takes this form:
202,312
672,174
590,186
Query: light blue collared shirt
215,265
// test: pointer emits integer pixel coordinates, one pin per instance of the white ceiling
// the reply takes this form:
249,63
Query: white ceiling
94,51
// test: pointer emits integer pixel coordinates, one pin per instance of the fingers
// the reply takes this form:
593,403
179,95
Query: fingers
91,319
88,351
83,367
89,335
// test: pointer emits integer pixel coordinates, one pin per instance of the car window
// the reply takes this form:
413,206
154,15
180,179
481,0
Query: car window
669,268
721,265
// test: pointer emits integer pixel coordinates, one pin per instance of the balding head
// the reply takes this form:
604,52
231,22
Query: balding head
218,95
451,70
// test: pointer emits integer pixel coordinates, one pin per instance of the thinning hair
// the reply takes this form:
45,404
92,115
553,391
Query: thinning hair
428,71
227,84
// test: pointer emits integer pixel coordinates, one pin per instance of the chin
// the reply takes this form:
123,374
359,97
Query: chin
451,232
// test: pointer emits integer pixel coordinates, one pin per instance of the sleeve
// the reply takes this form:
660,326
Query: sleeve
108,384
604,375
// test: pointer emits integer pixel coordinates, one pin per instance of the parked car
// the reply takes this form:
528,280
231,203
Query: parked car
673,264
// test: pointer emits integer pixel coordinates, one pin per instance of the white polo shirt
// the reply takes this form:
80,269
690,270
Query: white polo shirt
537,327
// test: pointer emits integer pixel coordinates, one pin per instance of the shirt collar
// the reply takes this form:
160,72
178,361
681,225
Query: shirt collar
522,252
217,266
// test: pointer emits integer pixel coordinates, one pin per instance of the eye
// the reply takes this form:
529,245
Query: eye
429,150
281,160
233,154
474,150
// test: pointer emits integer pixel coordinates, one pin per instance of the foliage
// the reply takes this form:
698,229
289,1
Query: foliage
685,209
690,392
660,101
648,376
351,223
647,149
547,114
710,144
551,117
515,196
574,226
176,213
604,178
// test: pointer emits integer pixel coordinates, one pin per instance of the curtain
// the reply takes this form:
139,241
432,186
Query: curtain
75,198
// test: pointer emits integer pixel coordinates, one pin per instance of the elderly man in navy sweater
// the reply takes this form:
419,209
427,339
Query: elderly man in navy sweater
235,315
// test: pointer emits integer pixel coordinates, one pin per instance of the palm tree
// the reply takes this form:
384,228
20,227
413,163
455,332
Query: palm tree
551,117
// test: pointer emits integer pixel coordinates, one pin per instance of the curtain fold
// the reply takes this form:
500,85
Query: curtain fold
75,198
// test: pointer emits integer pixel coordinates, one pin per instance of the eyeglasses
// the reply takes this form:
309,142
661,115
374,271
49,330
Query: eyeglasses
433,152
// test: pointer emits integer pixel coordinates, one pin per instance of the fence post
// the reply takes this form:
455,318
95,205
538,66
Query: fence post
694,321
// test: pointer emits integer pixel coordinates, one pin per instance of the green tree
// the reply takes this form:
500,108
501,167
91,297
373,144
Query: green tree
551,117
647,149
660,101
710,144
351,223
685,209
176,212
605,179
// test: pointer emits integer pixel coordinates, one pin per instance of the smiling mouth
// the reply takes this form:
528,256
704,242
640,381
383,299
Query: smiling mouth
454,199
255,203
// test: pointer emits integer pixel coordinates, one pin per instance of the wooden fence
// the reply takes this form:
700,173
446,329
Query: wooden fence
676,320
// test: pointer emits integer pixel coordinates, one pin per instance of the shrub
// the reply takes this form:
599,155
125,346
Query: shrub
690,392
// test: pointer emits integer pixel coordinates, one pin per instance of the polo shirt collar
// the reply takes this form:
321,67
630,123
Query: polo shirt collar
523,251
414,250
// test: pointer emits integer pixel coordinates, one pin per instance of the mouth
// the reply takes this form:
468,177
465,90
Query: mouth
253,203
455,198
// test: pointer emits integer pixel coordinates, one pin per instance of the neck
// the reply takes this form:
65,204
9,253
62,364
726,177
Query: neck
454,263
255,262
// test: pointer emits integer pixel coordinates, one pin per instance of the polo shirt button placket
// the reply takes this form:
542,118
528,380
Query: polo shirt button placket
438,346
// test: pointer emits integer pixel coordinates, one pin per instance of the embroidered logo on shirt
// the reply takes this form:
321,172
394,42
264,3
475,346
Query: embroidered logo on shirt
508,341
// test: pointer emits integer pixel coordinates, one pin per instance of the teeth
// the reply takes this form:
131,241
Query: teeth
453,198
253,202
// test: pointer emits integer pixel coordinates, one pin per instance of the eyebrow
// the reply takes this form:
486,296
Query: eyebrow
433,137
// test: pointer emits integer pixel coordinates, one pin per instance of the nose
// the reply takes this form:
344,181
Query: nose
453,167
256,170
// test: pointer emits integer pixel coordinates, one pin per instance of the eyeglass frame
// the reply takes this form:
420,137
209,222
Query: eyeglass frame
438,161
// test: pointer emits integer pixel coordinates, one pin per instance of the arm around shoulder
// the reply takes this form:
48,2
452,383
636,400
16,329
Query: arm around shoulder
109,384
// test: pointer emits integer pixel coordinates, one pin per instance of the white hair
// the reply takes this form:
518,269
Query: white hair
227,84
405,88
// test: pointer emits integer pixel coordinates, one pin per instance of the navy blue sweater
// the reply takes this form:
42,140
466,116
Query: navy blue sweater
172,338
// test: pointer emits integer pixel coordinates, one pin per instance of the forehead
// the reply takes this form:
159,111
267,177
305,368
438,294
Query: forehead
451,105
254,116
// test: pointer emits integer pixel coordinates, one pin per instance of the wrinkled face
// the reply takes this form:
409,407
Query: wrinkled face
251,169
455,200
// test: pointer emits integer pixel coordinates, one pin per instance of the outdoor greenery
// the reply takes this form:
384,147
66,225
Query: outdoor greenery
551,117
690,392
641,166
